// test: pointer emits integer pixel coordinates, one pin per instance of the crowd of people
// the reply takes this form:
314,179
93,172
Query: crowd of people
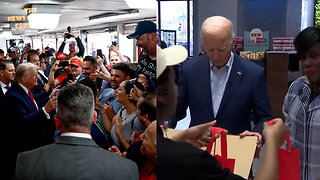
52,101
68,116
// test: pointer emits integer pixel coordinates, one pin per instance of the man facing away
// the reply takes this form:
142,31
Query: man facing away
74,155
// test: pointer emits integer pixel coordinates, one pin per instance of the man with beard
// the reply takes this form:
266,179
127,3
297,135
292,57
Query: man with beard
119,73
146,37
89,68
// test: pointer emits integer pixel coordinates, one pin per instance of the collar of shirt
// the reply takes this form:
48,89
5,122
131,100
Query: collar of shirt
74,134
229,63
3,85
25,88
42,73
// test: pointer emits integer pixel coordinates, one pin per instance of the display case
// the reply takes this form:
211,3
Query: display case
282,68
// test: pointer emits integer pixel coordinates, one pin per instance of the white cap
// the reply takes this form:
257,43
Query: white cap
170,56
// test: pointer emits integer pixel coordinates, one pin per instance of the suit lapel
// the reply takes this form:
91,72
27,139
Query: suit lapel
205,92
236,74
26,97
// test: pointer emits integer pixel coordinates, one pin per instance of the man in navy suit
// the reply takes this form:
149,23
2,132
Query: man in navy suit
42,89
24,119
7,73
222,86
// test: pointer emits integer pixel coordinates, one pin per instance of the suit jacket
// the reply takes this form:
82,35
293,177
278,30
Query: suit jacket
38,91
245,95
74,158
24,124
65,81
180,160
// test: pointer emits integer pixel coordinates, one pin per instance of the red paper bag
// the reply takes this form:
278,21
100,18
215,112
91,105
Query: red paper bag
223,159
289,163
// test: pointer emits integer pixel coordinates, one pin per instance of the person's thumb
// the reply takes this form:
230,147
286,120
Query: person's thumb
207,125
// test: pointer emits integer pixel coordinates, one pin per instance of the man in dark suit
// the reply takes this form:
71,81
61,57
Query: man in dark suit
74,155
42,89
7,73
222,86
181,157
75,66
24,119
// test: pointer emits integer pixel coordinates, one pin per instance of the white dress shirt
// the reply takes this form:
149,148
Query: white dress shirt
74,134
27,91
218,80
3,85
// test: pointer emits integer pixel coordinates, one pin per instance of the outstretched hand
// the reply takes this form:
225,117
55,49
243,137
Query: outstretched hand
198,136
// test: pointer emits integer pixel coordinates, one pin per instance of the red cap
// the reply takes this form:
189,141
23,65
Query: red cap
60,56
75,61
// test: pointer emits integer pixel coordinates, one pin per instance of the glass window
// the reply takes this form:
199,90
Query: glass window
174,18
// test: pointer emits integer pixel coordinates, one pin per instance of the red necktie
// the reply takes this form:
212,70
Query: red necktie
31,97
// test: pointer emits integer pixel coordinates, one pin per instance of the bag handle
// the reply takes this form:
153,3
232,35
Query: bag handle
214,131
271,122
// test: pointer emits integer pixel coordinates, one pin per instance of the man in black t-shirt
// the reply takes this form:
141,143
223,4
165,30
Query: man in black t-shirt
146,37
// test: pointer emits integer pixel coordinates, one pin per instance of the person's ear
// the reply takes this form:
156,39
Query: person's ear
57,121
95,115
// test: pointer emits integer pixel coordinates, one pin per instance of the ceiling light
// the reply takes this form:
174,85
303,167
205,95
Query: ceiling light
44,16
142,4
123,14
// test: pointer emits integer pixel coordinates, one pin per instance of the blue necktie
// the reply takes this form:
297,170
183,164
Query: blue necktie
7,87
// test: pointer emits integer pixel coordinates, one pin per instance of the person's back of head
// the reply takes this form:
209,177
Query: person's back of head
75,105
91,84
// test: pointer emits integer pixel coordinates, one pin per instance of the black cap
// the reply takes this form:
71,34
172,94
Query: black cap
142,28
11,50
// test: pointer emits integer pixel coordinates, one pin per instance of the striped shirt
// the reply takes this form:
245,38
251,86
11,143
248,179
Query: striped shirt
303,121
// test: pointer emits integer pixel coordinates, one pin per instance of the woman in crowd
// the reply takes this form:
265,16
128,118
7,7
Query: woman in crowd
126,121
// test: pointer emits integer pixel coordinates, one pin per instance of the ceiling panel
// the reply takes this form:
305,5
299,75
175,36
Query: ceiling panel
74,13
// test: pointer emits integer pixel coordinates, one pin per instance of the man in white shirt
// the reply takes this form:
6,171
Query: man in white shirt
7,73
75,154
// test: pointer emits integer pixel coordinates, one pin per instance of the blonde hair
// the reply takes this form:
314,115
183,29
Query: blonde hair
76,58
21,70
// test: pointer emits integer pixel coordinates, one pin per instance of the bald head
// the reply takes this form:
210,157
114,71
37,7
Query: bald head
217,25
217,39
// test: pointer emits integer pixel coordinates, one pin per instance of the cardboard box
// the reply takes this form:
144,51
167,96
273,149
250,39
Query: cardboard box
241,149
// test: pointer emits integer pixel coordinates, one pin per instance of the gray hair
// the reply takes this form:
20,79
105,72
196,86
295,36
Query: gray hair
215,21
21,70
75,106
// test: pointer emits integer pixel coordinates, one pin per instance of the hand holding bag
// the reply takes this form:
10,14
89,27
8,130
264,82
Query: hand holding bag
223,159
289,161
